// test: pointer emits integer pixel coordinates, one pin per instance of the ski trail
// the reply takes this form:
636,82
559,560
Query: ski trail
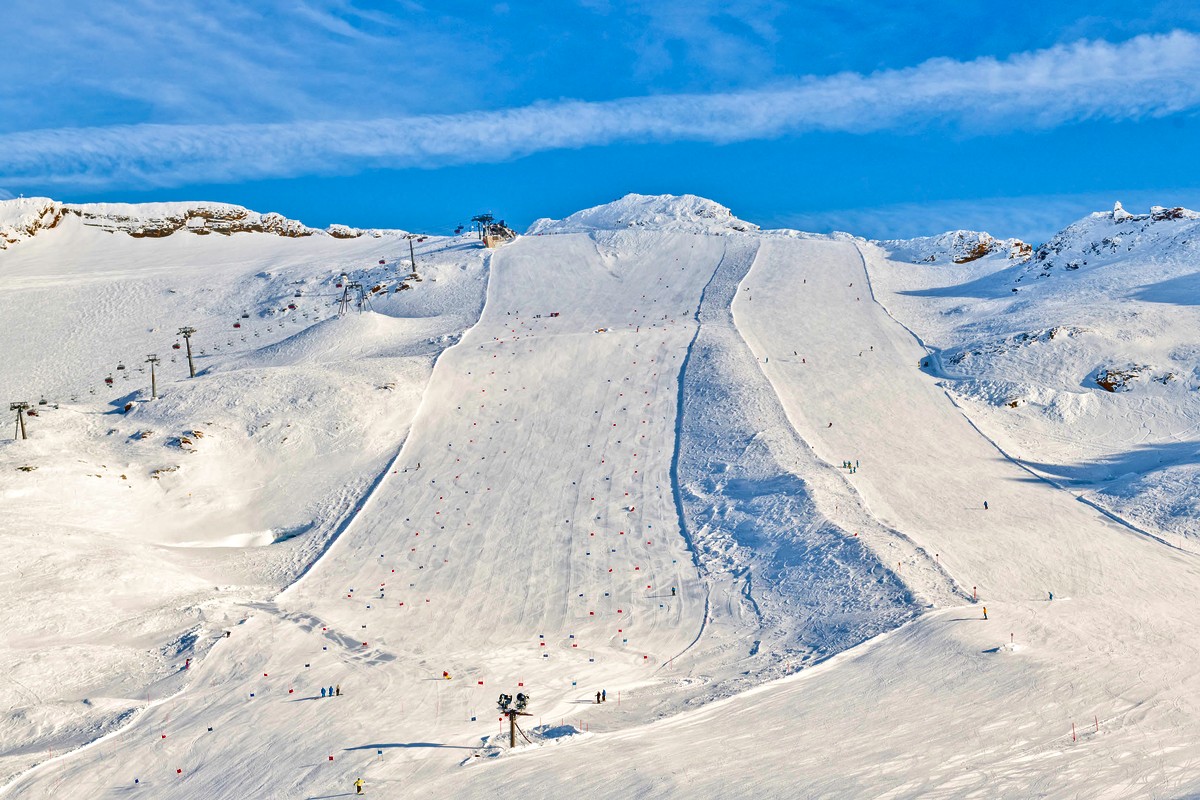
936,359
392,465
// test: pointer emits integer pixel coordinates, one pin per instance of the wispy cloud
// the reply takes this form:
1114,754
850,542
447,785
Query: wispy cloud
230,61
1147,76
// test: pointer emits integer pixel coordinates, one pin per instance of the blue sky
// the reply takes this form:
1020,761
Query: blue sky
1016,118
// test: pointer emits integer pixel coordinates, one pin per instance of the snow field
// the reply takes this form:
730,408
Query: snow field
159,515
544,451
657,402
945,706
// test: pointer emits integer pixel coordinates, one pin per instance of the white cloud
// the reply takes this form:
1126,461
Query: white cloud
1144,77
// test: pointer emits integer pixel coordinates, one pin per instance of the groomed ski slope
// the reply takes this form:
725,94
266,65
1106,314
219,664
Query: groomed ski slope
527,534
945,706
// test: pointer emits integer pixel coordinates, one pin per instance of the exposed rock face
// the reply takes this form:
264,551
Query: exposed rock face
25,217
1117,380
199,218
959,247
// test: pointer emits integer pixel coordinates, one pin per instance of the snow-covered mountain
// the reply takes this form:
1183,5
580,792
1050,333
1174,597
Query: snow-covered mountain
685,213
734,478
1092,333
958,247
1108,236
26,217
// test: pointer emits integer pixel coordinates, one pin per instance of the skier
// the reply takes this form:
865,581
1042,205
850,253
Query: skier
831,424
445,675
604,695
1051,595
358,786
985,612
322,691
672,591
339,690
331,691
597,698
985,505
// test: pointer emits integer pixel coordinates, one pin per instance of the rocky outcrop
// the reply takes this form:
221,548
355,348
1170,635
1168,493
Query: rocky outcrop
1108,235
959,247
25,217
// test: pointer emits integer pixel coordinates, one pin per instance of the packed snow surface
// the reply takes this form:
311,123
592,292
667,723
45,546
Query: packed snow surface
807,509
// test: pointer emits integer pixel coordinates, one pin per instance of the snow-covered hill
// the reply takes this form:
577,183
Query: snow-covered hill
152,520
958,247
735,478
25,217
1080,359
686,214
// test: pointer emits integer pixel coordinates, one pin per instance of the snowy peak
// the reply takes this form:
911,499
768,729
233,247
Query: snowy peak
25,217
958,247
678,213
1104,236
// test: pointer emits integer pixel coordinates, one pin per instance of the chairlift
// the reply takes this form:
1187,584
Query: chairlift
292,306
120,365
245,315
382,262
297,293
237,324
175,346
109,380
43,401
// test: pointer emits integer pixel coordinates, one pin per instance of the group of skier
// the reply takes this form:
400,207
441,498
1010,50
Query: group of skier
332,691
